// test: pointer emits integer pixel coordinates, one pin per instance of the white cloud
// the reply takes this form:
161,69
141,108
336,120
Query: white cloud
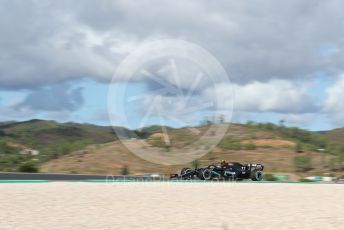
334,105
54,41
269,48
299,119
278,96
182,108
274,96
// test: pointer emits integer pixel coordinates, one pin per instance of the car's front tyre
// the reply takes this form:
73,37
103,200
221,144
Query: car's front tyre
186,173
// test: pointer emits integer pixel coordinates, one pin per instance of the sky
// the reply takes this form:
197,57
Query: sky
284,61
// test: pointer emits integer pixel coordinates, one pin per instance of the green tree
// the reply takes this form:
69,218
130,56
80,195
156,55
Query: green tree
334,164
29,166
66,148
250,123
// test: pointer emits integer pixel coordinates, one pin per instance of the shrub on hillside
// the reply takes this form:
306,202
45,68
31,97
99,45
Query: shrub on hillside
229,144
10,162
233,146
307,138
7,149
302,163
249,146
125,170
29,167
334,164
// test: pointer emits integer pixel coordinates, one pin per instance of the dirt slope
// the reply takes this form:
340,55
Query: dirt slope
110,158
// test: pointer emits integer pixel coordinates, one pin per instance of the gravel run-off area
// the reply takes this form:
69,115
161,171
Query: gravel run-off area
171,205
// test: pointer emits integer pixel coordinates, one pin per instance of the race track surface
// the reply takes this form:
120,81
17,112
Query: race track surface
64,177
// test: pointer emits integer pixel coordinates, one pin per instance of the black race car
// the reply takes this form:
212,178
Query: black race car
223,171
232,171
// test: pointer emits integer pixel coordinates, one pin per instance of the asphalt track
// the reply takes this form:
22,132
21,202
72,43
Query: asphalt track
4,176
14,177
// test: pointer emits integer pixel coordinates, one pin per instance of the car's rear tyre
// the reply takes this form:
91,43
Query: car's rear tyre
257,176
185,173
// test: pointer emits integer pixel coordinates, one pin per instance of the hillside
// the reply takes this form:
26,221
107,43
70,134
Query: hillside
242,143
86,148
39,133
51,139
336,135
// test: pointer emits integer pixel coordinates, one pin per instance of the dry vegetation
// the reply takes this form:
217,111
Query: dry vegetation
241,143
84,148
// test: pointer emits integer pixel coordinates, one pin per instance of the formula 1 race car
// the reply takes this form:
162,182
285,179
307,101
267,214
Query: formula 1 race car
223,171
232,171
